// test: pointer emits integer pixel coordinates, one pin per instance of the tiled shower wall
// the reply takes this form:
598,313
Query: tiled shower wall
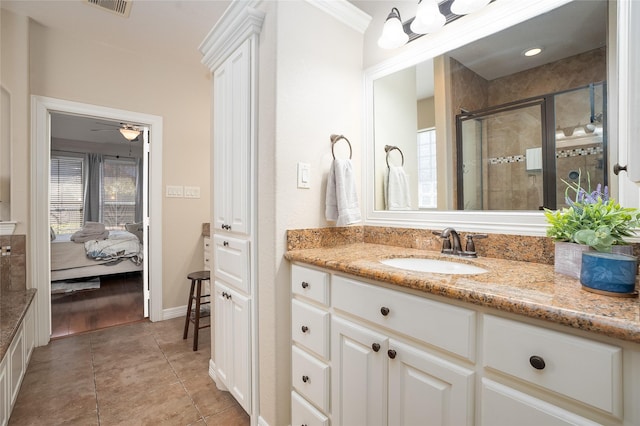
13,263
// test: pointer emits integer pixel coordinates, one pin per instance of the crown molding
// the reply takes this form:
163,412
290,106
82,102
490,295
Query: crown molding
345,12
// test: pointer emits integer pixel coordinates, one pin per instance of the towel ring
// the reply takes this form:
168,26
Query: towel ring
336,138
388,149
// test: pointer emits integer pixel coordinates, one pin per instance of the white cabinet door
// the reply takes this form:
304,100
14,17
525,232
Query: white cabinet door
232,342
422,386
4,394
29,334
232,142
359,375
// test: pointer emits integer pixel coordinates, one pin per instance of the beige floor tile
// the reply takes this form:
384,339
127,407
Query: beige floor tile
155,373
170,405
55,410
234,416
141,374
207,397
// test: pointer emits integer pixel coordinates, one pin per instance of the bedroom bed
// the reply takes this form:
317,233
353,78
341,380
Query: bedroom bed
121,252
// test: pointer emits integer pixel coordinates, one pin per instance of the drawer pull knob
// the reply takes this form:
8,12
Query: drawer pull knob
225,243
375,347
305,379
384,311
305,328
305,284
537,362
392,354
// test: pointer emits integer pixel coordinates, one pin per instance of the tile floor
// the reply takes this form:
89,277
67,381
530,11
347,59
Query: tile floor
138,374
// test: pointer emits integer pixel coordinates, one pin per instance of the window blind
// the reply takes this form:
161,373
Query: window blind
66,194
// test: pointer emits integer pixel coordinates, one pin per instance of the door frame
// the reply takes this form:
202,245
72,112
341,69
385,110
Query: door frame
39,250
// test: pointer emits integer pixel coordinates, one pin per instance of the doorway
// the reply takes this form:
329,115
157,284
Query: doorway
39,239
96,207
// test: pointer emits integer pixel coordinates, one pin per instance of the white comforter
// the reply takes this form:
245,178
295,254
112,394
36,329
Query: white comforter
119,245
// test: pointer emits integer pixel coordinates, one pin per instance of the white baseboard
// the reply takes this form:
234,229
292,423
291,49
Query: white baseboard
212,373
179,311
262,422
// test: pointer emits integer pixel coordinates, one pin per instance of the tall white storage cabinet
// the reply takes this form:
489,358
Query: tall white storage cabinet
230,52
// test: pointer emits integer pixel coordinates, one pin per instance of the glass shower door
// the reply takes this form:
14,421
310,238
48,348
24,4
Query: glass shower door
501,158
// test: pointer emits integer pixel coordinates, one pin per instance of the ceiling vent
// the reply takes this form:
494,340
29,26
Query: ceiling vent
119,7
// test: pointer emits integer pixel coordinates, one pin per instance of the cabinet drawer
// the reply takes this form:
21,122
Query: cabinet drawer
303,413
310,377
310,283
310,327
588,371
448,327
502,405
231,261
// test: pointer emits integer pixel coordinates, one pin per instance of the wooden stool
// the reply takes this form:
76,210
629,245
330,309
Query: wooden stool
196,278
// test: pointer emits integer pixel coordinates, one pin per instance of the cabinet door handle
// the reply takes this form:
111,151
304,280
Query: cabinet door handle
537,362
224,294
305,379
392,354
375,347
305,284
305,328
225,243
384,311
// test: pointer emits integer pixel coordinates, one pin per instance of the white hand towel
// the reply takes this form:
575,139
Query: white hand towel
341,199
397,192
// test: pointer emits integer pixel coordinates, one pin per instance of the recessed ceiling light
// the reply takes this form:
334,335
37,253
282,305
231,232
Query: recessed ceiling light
532,51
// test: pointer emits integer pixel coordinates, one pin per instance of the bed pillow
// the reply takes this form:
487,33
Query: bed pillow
52,233
135,229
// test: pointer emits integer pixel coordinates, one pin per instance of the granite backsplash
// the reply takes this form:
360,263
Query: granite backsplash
13,263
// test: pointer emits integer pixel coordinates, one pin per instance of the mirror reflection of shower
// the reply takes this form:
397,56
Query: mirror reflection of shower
518,156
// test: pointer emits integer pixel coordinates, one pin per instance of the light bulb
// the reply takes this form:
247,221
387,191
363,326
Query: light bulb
393,34
428,18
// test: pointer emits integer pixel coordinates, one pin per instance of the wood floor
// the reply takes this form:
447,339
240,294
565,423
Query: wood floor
119,300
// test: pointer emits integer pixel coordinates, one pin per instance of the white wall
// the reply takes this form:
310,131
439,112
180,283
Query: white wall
311,90
57,65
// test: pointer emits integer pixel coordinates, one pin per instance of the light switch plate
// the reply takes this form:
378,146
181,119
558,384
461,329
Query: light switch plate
191,192
175,191
304,175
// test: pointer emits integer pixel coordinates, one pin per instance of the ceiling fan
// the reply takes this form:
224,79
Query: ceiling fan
129,131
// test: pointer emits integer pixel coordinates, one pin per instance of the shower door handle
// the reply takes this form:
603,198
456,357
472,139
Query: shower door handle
617,168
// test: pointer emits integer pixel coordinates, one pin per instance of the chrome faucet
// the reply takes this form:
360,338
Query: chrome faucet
451,243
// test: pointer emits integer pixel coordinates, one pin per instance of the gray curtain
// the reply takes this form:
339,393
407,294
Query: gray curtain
139,181
92,187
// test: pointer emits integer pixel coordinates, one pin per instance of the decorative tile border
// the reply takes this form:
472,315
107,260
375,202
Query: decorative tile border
561,153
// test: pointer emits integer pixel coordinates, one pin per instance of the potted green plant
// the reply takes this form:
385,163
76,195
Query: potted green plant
592,220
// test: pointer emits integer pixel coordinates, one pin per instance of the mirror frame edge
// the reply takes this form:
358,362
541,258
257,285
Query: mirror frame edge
495,17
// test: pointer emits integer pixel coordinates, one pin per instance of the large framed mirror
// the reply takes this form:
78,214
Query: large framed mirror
467,130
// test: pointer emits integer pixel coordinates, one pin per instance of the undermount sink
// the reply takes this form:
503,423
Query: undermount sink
432,265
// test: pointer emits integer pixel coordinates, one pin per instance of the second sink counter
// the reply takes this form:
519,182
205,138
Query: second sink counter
530,289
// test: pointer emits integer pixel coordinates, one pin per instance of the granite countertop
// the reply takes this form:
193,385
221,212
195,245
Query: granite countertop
524,288
13,306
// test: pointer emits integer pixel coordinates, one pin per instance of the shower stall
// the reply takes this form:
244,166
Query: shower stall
519,155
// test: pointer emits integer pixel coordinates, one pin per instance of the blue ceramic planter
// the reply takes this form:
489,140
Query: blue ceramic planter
609,273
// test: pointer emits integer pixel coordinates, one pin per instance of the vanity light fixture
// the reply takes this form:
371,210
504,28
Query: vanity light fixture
533,51
129,133
393,35
464,7
431,15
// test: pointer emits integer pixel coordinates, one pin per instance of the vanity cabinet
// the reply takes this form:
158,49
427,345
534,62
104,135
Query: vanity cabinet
398,358
233,343
232,142
14,364
404,383
310,338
